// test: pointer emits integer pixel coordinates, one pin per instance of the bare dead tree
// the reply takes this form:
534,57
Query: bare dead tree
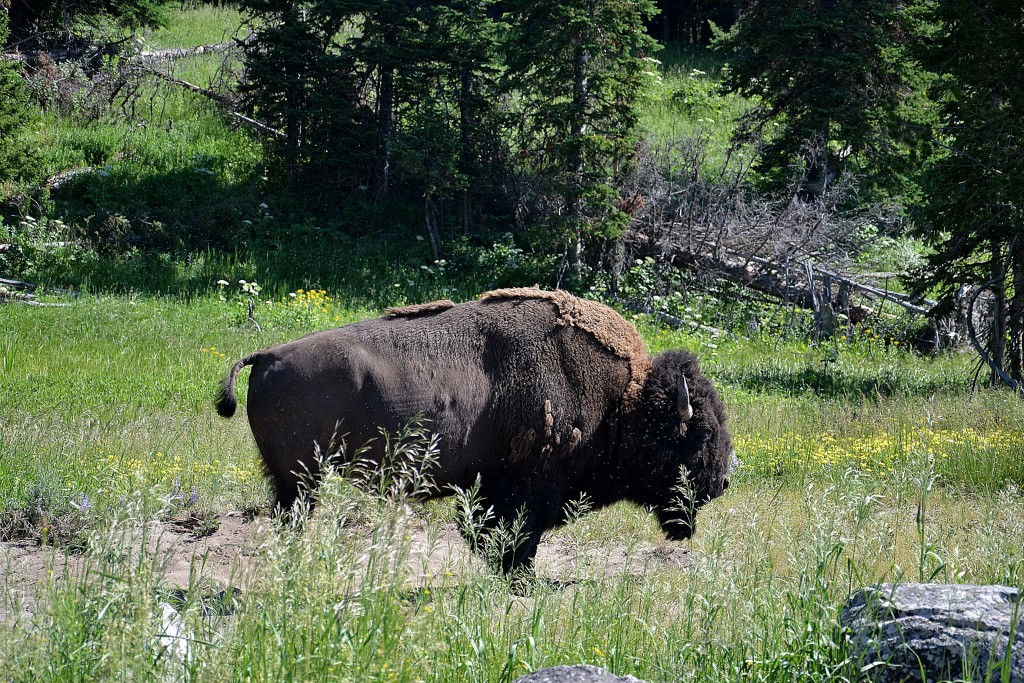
794,249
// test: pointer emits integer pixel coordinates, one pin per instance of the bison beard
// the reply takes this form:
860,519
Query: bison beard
541,396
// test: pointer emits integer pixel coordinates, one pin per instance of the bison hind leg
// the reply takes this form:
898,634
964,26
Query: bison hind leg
293,497
286,494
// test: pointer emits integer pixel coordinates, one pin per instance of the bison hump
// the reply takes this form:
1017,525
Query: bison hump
417,310
605,325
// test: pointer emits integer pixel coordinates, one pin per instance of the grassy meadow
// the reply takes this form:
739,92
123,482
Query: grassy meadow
861,462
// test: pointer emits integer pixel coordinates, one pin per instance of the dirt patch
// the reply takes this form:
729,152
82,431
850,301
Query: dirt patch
225,550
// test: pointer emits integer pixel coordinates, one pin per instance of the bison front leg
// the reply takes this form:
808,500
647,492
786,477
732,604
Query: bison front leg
510,519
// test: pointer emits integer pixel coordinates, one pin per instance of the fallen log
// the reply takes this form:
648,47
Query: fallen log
92,50
16,284
180,52
904,300
54,245
770,277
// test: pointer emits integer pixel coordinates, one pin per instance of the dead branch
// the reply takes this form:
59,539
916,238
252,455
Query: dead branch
972,333
142,57
898,298
217,97
179,52
53,245
27,299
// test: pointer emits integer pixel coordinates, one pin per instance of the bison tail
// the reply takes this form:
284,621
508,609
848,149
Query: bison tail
226,401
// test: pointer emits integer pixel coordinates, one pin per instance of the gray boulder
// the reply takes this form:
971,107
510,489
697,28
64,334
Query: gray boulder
940,631
579,673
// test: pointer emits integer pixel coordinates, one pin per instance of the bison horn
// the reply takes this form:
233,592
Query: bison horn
683,401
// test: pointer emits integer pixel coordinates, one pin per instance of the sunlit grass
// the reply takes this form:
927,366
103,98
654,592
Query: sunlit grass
881,452
109,401
201,24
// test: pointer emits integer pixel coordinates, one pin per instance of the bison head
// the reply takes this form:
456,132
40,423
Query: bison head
684,450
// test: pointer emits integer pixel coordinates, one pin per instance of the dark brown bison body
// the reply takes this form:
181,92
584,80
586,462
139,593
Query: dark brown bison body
543,396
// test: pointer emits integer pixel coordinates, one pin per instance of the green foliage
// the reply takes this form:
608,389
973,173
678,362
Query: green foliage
691,22
300,80
837,88
577,69
975,207
50,23
18,158
393,102
426,125
199,24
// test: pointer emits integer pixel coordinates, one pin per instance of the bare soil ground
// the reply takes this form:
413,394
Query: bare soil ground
226,550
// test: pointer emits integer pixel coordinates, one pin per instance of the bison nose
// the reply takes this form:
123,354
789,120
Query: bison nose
725,485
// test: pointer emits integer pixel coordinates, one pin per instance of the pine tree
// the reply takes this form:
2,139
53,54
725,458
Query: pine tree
577,69
301,79
465,36
974,214
17,159
837,88
51,23
398,99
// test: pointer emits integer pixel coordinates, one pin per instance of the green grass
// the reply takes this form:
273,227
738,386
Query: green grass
686,104
204,24
111,397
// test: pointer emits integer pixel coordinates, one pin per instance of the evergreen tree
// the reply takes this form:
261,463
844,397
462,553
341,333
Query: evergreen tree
469,163
17,159
50,23
372,94
576,70
301,79
690,21
836,86
974,214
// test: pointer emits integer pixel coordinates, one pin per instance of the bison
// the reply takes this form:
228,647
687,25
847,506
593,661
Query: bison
537,397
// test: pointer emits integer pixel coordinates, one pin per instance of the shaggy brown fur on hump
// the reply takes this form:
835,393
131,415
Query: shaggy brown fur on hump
418,309
610,329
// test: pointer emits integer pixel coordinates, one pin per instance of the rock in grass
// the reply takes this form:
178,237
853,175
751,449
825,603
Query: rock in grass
931,632
578,673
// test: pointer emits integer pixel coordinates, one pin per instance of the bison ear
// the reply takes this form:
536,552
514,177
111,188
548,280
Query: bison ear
683,400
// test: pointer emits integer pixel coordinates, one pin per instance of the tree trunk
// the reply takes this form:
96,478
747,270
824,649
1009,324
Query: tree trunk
432,219
573,198
1015,319
466,127
818,173
385,118
997,337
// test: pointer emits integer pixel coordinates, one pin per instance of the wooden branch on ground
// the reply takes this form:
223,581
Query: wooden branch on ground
738,272
217,97
142,60
898,298
27,299
16,285
93,50
55,245
767,276
205,92
179,52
